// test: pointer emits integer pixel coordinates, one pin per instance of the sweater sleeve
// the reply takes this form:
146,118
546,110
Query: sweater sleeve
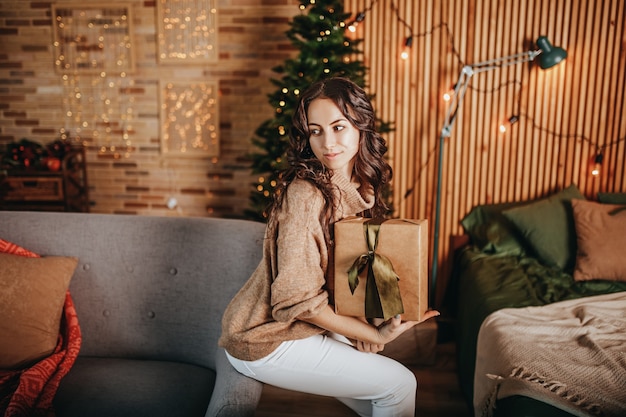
301,256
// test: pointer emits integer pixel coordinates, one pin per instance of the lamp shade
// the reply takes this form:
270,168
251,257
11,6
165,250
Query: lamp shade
550,55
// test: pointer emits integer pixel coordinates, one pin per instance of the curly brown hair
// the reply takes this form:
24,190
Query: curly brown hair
370,167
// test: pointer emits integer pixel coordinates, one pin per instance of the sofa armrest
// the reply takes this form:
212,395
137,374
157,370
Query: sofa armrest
234,395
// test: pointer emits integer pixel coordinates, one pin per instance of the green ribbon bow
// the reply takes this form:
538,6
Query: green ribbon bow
382,292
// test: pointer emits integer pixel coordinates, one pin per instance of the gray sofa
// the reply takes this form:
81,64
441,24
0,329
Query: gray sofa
149,293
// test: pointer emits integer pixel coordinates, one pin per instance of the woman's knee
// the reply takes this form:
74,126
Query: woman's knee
405,386
399,400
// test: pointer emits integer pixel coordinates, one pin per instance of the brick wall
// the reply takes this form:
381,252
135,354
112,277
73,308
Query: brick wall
251,41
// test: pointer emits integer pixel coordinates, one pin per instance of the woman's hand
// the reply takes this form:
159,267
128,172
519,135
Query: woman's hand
368,347
365,336
393,328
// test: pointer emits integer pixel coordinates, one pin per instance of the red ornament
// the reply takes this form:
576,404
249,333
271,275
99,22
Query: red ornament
53,164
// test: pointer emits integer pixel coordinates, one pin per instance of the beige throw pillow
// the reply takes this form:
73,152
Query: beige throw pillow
601,238
32,295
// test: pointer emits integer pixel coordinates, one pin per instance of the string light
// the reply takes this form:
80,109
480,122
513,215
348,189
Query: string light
92,39
407,46
511,121
360,16
190,118
187,30
94,55
353,25
303,6
597,164
447,96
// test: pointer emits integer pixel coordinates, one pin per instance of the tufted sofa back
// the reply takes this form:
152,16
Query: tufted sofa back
146,287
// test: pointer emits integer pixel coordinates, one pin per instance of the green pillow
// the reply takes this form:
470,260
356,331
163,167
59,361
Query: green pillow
493,233
548,227
612,198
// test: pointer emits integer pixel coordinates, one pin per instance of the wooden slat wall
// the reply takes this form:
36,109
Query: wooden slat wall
567,115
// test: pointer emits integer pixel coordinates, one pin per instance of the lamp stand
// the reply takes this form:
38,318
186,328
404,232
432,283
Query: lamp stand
551,56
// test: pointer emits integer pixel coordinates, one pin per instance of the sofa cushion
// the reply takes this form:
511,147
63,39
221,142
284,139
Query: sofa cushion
104,387
601,236
548,227
32,295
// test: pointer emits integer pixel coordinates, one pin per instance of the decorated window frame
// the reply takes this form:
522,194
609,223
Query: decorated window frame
187,31
93,38
189,118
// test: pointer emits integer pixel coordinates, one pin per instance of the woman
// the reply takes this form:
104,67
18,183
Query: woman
281,328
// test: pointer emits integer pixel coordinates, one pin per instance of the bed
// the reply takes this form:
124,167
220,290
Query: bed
531,270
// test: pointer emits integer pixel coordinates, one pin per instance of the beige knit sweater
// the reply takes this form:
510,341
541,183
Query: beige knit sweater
288,283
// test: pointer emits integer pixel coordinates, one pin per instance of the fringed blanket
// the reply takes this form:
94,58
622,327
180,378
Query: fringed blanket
570,354
29,392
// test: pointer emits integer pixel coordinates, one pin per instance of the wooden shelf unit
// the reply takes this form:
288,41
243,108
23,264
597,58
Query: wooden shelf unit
43,190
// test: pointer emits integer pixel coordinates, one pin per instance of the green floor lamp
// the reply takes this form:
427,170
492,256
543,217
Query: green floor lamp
549,56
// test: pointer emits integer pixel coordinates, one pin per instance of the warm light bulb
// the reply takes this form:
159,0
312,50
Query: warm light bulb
359,18
505,125
407,46
447,96
172,203
597,165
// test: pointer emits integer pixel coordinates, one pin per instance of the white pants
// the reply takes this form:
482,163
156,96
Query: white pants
368,383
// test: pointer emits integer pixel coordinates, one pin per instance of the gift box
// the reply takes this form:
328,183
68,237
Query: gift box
380,268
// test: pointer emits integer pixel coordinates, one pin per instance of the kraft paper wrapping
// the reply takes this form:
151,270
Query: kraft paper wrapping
404,242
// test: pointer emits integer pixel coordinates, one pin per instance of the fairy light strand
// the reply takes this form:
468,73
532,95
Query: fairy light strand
361,16
94,55
409,42
513,119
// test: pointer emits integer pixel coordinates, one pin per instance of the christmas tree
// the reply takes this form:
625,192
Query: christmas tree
325,50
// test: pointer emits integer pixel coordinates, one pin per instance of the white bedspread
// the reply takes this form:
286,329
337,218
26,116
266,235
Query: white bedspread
570,354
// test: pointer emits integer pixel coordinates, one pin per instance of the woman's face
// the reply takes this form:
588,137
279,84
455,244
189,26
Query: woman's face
334,140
